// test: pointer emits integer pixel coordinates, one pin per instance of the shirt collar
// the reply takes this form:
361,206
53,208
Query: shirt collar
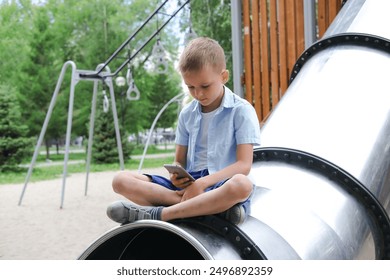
228,98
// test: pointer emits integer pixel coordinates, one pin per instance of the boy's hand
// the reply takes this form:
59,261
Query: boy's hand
191,191
180,183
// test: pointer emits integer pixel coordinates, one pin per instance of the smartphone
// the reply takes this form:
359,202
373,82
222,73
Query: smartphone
182,173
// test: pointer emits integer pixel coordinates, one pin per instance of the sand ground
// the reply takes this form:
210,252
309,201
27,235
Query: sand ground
40,230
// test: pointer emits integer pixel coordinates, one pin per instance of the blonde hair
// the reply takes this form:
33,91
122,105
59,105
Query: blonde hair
201,52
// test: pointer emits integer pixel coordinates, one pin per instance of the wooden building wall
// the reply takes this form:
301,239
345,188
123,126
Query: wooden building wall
273,41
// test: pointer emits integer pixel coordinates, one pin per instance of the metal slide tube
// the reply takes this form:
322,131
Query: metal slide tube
325,187
322,174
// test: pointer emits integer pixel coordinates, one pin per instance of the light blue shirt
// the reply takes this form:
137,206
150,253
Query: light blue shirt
234,123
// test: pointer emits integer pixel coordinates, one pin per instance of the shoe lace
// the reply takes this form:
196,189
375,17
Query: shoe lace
138,214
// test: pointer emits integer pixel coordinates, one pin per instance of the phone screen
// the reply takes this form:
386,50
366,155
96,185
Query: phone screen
182,173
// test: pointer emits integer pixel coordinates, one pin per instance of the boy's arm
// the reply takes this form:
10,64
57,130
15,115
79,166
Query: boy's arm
181,155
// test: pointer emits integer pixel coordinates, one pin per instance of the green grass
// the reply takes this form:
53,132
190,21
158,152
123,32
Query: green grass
52,172
82,156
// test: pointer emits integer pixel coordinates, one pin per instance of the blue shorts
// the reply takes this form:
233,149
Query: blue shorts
160,180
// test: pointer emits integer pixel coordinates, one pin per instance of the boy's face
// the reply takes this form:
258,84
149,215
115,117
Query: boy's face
206,86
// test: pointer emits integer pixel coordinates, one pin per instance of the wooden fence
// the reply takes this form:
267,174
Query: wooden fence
273,41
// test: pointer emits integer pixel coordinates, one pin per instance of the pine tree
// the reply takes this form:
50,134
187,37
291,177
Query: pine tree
104,142
14,145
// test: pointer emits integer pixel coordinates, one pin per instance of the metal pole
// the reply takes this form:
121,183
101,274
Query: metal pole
124,44
148,40
309,11
153,125
108,81
73,84
237,47
116,53
91,132
45,124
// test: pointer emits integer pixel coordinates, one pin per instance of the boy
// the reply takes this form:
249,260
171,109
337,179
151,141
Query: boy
214,142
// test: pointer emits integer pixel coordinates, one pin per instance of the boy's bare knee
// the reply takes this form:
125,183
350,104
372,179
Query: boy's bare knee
119,181
241,186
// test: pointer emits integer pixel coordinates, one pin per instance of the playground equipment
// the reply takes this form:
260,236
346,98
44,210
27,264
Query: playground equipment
104,75
76,77
322,174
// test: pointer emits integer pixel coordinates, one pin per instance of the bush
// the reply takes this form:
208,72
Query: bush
14,145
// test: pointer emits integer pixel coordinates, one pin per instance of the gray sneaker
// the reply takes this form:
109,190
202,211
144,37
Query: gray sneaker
236,214
128,212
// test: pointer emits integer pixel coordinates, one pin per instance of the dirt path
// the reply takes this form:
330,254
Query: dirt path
40,230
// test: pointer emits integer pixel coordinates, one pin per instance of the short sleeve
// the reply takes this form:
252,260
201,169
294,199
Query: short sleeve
182,135
246,125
